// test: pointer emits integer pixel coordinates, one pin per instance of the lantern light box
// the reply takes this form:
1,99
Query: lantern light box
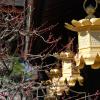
88,40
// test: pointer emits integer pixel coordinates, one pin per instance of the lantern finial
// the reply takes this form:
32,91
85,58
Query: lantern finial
90,10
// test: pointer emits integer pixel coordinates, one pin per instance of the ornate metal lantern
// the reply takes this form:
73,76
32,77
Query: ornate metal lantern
88,40
70,74
69,69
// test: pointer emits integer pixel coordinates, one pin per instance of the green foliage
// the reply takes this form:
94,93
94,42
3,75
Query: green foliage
19,71
17,68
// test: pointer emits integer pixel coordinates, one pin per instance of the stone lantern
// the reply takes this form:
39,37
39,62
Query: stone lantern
88,30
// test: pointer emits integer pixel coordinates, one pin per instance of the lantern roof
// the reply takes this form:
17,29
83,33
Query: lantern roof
92,24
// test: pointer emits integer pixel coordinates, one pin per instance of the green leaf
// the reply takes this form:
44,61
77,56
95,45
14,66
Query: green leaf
18,68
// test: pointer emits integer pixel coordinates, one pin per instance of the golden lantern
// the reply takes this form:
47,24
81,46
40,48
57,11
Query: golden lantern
70,74
69,70
88,39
